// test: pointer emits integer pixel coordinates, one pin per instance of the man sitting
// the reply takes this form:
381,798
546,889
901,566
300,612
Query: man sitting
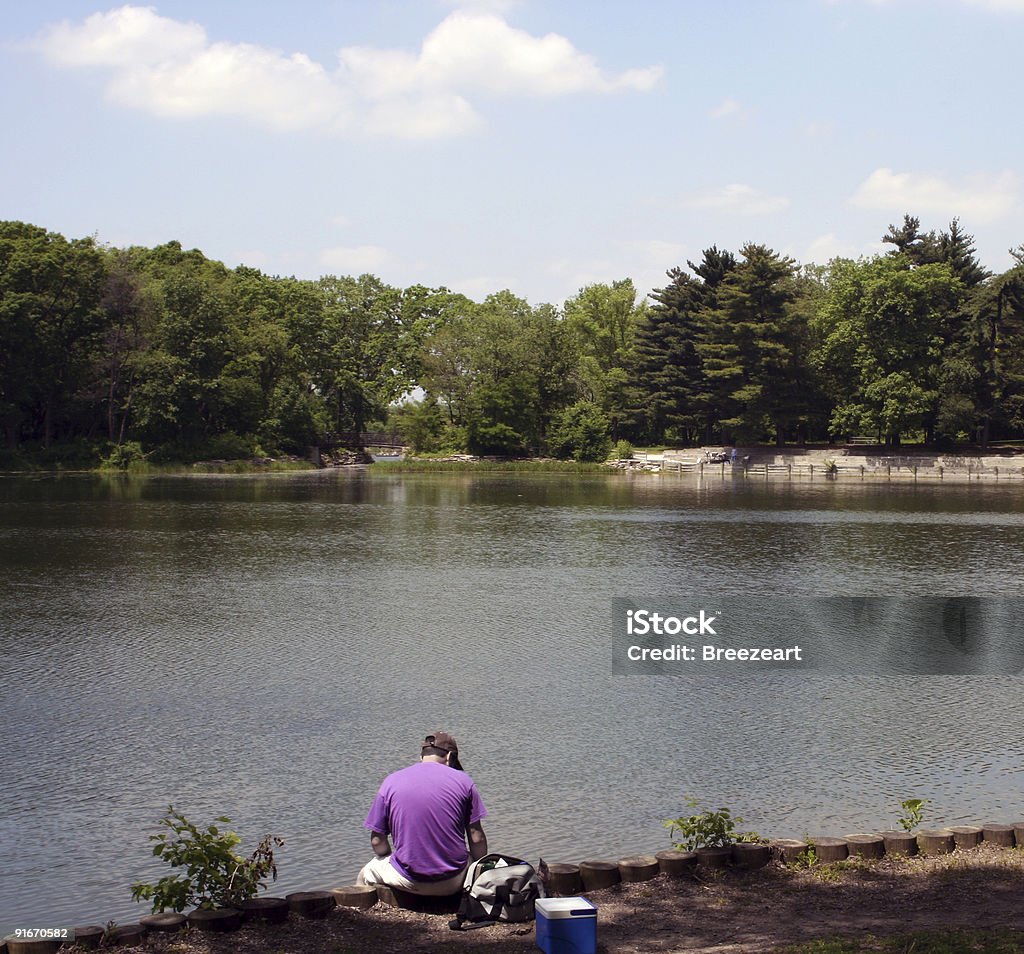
431,810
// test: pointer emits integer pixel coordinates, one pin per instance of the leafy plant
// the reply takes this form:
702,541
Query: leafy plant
807,858
706,829
123,456
215,875
581,432
913,812
623,450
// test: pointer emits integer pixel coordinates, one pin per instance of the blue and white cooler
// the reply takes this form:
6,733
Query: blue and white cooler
566,926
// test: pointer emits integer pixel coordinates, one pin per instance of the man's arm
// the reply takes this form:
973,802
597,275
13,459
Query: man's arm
477,841
380,844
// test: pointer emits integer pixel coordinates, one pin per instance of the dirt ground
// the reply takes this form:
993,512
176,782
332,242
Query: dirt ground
732,913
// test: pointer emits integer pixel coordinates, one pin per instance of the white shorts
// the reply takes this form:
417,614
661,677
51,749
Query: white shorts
381,871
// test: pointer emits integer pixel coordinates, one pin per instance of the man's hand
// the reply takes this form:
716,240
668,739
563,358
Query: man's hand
477,841
380,844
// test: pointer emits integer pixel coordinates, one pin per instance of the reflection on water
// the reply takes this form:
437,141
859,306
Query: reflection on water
269,647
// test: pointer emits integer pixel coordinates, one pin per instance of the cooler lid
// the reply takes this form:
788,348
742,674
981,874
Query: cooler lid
553,908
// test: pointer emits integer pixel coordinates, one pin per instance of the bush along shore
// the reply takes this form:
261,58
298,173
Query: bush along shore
754,895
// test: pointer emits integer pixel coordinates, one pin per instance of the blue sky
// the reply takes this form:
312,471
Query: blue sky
534,145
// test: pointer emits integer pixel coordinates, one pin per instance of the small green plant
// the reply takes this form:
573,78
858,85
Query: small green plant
706,829
623,450
123,456
215,875
807,858
913,812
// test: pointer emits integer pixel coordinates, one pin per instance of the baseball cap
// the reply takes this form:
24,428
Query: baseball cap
446,743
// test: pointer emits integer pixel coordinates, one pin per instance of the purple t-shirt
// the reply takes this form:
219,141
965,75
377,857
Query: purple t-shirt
426,809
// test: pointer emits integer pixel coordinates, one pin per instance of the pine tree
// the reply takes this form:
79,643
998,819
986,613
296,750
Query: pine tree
919,248
752,345
672,389
956,249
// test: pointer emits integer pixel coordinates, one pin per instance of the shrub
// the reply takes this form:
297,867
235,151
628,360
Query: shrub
215,875
707,829
581,432
913,812
122,456
623,450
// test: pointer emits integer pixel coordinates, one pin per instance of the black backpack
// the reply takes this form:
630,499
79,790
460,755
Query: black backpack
497,888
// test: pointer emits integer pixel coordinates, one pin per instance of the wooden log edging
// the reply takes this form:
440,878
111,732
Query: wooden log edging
599,874
567,879
966,836
750,855
268,910
866,846
166,922
936,841
215,920
788,850
127,935
1001,835
311,904
676,863
363,896
564,880
638,868
828,850
900,842
89,936
714,859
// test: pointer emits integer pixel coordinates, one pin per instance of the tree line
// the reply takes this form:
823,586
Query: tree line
164,354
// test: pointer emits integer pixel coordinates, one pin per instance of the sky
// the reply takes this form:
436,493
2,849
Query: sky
538,145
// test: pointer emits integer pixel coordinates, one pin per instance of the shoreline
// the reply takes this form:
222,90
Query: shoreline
857,904
835,462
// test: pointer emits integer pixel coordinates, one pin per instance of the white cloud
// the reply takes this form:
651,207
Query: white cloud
728,108
481,51
981,198
824,248
737,198
355,260
171,68
645,261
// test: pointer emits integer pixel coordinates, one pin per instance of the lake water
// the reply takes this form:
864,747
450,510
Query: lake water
269,647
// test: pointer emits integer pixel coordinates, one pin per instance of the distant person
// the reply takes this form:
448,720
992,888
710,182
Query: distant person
432,812
732,456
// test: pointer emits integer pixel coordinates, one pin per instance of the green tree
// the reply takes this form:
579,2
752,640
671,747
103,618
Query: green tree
604,320
130,305
51,327
881,330
581,432
753,346
672,394
519,367
362,362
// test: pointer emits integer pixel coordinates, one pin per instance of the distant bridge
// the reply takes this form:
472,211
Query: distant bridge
378,440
